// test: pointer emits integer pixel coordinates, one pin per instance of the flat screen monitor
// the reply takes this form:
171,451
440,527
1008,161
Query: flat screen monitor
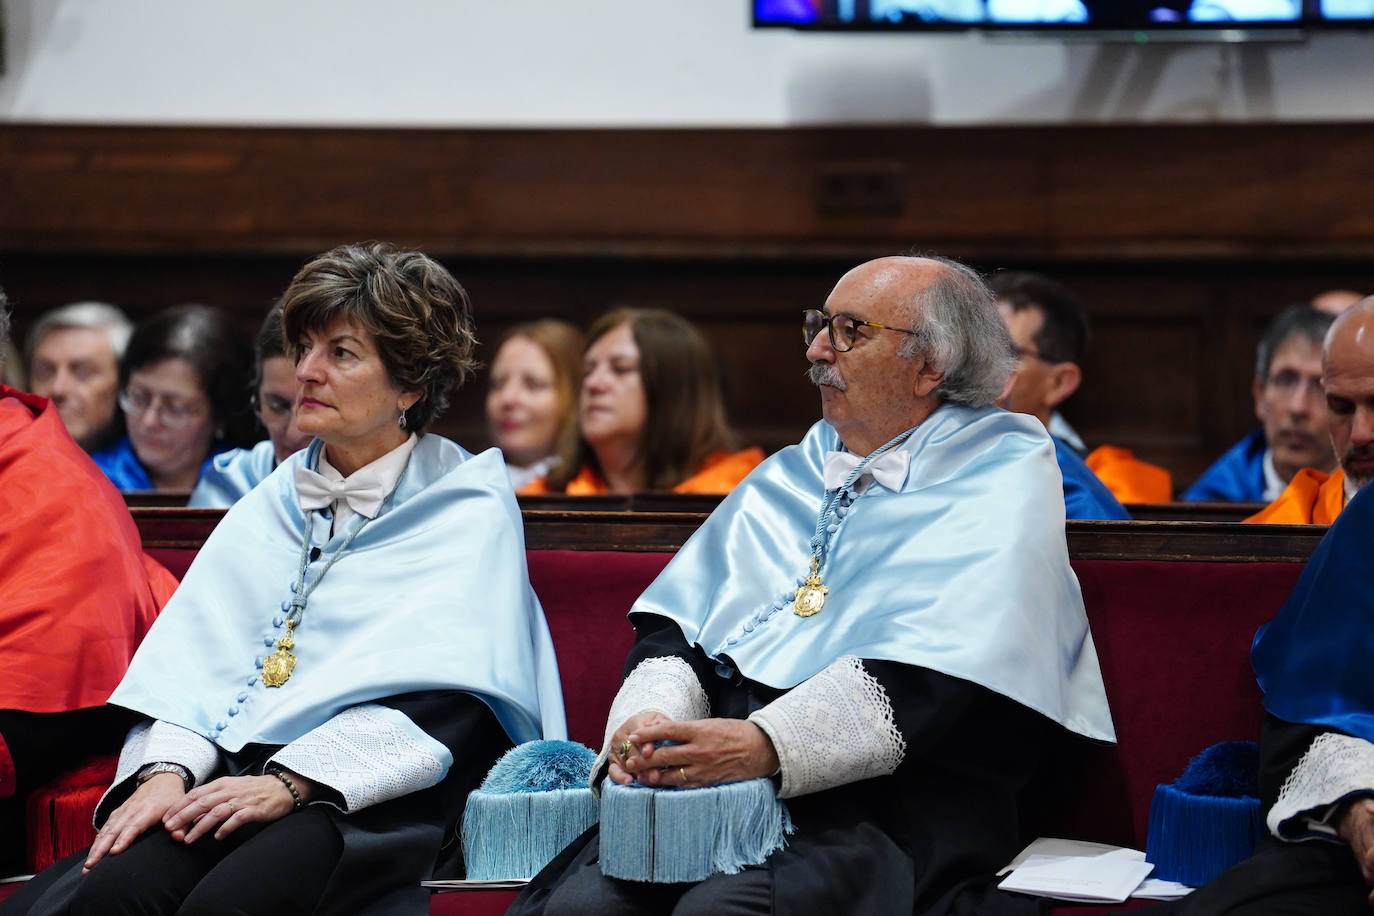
1151,16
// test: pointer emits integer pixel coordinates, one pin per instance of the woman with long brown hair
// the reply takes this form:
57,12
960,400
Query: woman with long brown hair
651,413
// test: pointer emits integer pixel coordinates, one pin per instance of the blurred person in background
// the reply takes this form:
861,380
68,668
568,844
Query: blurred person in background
233,473
532,397
1287,388
73,355
184,390
651,415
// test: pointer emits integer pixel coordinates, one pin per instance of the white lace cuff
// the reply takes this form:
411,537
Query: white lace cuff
368,754
158,741
665,685
1334,768
833,728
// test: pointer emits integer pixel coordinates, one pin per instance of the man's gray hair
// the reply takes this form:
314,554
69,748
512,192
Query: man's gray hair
959,328
82,315
1301,321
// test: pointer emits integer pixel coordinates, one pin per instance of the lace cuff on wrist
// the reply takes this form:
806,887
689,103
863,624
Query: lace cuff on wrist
835,727
156,742
1335,767
665,685
368,754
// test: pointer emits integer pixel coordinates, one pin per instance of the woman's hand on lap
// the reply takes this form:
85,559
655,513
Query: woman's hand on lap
148,805
226,804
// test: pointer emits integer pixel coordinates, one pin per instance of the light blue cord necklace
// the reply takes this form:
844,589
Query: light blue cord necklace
277,667
810,596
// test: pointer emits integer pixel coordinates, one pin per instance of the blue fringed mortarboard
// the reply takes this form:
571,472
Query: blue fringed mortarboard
673,835
1209,818
533,802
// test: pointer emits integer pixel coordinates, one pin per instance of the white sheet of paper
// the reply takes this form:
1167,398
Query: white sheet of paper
461,884
1157,889
1107,877
1054,846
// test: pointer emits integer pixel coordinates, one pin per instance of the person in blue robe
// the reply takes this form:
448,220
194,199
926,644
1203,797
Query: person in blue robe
350,651
232,474
183,391
1292,412
880,619
1316,743
1085,495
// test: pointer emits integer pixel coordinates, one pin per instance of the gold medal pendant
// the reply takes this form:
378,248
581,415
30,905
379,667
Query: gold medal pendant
279,665
811,594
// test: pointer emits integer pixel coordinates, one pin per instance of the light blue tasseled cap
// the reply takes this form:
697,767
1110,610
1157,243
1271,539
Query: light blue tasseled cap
533,802
673,835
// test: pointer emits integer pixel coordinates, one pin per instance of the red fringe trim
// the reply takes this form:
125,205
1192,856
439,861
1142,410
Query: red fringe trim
7,778
58,816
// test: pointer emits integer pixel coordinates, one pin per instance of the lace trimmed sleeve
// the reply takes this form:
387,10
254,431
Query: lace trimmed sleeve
665,685
156,742
368,754
1336,767
835,727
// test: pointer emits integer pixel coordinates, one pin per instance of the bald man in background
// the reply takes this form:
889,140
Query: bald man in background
1314,497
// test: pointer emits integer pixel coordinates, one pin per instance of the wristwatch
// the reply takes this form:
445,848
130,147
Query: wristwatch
163,766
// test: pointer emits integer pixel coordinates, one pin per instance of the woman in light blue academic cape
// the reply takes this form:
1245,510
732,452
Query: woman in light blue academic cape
354,645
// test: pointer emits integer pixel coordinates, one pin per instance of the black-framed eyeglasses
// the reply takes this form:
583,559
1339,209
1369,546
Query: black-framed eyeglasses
844,329
1019,352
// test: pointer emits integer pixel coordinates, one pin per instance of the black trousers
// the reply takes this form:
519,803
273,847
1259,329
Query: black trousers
277,868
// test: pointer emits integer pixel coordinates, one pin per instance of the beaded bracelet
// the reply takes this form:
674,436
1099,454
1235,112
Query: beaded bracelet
290,787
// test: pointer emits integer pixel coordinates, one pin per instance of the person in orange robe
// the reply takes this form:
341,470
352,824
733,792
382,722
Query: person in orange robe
1312,497
650,413
1130,479
79,594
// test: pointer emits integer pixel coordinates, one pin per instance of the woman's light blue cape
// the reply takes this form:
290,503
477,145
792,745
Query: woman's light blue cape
1313,660
432,595
965,571
232,474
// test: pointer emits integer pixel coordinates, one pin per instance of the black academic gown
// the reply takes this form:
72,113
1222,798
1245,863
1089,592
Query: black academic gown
924,840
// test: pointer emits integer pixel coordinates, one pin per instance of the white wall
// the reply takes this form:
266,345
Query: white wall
618,63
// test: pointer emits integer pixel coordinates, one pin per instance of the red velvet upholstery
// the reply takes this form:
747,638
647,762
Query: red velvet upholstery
586,594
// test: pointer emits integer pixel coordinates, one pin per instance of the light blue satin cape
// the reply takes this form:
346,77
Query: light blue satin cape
432,595
965,571
232,474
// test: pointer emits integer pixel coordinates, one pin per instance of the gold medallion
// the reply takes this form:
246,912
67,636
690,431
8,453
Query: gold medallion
279,665
811,594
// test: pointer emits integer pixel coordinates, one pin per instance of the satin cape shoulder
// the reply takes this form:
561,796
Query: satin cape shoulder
965,571
1313,660
432,595
233,473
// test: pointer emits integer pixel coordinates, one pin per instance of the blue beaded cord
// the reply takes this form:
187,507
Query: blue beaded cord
836,503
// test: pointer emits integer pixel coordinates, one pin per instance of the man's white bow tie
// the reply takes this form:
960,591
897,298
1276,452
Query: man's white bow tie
888,469
317,492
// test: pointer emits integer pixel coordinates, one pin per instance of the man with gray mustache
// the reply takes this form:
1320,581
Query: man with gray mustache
881,620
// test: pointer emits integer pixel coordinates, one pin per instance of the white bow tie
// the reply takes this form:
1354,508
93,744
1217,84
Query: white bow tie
317,491
888,469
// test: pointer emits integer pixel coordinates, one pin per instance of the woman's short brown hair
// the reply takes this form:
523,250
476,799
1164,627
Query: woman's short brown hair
562,344
419,315
685,420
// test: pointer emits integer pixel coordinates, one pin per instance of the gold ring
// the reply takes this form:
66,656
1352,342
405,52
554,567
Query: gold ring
682,771
232,806
626,749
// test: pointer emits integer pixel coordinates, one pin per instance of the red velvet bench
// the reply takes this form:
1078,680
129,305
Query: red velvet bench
1173,607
